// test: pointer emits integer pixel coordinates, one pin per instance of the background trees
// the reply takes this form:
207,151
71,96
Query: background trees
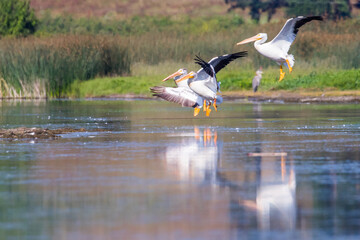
333,9
17,18
258,6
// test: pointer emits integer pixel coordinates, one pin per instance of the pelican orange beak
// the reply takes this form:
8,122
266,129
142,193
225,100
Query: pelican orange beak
252,39
177,73
187,76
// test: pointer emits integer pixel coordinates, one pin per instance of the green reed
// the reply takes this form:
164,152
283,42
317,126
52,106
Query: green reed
52,64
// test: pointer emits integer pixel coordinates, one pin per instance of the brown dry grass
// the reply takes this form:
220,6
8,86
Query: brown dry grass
121,9
128,8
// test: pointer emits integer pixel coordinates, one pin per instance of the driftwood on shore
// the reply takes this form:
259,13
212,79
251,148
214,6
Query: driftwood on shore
36,133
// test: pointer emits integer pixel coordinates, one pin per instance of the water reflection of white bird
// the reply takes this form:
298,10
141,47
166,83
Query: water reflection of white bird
256,80
195,158
278,48
275,202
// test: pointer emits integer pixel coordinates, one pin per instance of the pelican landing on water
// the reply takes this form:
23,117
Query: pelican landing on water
182,94
278,48
204,82
197,89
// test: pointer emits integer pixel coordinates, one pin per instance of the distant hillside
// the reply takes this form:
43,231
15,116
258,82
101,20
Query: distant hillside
127,8
121,9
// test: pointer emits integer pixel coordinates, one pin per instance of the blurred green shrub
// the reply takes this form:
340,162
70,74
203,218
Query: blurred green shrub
17,18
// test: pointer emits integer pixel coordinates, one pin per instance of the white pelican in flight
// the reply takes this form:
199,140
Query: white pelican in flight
181,94
278,48
199,88
204,82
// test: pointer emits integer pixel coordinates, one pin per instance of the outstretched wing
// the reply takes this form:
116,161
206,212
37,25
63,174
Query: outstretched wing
221,61
182,96
288,33
205,65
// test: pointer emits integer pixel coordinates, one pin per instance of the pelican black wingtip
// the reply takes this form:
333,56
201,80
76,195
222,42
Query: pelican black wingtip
319,18
242,54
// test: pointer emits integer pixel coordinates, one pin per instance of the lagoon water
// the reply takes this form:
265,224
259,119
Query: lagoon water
250,171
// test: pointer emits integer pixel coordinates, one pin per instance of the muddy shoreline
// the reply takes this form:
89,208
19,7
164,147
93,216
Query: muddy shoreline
248,96
293,98
269,96
36,133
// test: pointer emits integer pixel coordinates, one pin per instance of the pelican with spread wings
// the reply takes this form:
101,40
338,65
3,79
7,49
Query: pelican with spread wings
200,86
182,94
204,81
278,48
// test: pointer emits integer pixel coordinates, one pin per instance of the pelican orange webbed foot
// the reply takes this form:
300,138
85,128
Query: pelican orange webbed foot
289,65
208,110
196,111
282,74
214,105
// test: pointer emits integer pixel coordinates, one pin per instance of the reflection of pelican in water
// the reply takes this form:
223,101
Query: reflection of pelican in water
195,158
275,202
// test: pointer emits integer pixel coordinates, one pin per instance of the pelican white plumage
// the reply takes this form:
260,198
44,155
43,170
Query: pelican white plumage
182,94
197,89
278,48
204,82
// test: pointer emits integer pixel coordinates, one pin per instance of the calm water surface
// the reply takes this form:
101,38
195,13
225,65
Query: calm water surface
250,171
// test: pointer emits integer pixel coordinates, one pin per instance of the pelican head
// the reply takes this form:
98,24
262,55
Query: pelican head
191,74
261,37
180,72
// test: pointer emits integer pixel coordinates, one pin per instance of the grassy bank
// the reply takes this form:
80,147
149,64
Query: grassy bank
327,55
314,79
232,80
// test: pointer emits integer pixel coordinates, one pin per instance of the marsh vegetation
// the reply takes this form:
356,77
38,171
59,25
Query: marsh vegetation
145,49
